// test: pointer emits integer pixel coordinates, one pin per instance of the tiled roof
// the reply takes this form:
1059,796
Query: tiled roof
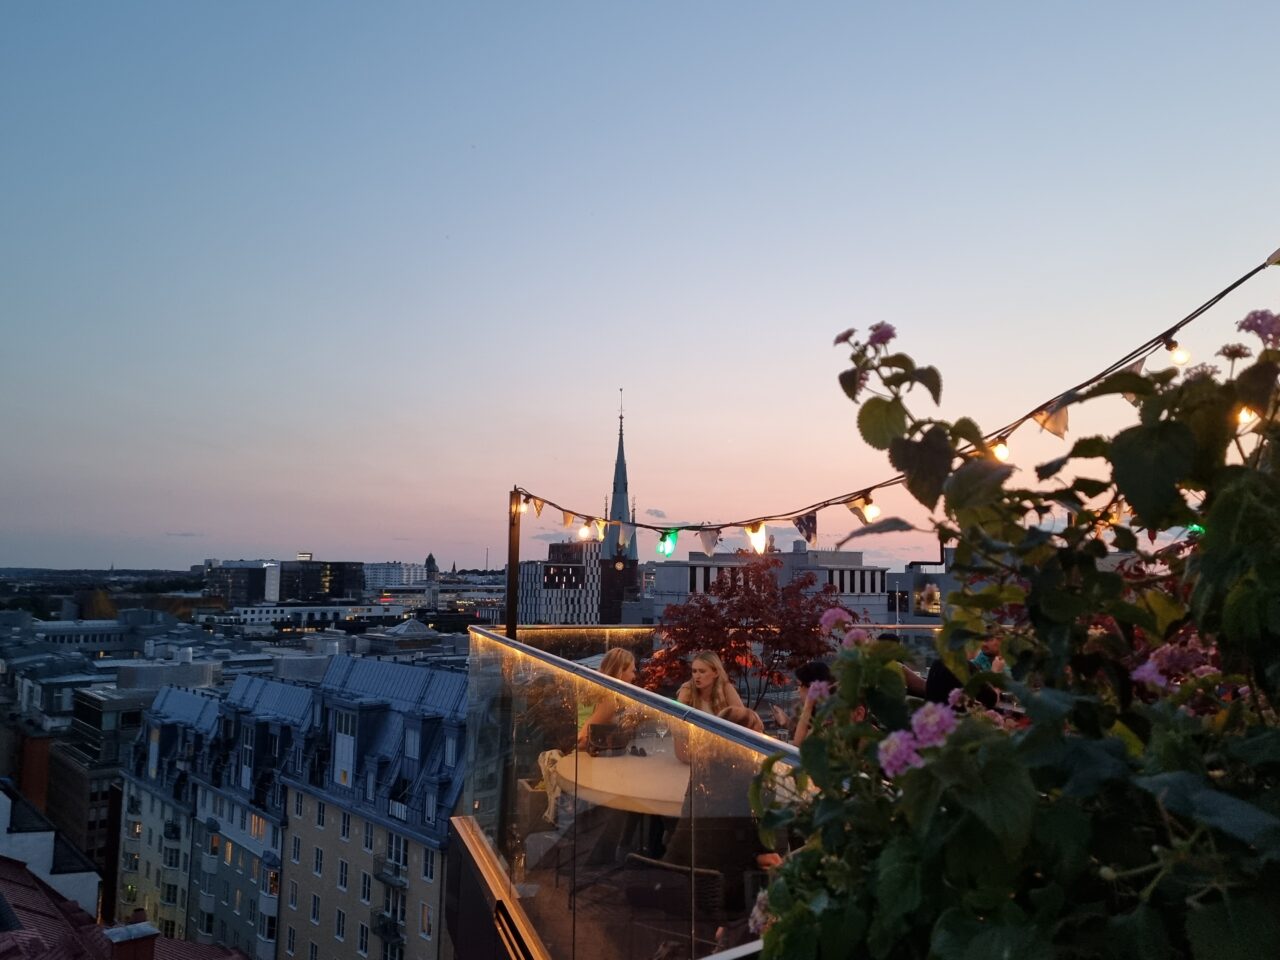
67,859
177,705
405,686
272,700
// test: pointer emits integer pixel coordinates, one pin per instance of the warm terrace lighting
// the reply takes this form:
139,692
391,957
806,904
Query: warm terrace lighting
1180,355
584,531
758,536
1000,449
870,510
1246,416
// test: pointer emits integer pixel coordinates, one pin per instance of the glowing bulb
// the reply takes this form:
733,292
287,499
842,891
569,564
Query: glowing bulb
584,531
1246,416
667,543
1000,450
524,506
870,510
758,537
1181,356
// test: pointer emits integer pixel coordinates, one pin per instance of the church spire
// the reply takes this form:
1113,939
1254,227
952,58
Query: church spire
618,501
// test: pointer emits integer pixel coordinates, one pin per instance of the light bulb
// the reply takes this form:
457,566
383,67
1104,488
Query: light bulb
1180,355
524,506
1000,449
584,531
667,543
1246,416
870,510
758,536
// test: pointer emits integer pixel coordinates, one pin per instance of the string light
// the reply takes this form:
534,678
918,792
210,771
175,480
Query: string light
758,537
1246,416
524,504
1000,450
584,531
860,503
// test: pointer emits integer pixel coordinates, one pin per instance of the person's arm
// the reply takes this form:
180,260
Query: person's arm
603,713
803,724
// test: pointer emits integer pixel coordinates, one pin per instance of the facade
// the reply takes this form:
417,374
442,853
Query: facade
371,796
239,582
266,618
84,799
862,588
378,576
311,580
564,588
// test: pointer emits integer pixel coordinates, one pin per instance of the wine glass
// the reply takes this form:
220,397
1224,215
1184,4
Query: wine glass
662,729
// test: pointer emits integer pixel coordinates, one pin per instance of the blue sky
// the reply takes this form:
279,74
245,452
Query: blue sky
334,277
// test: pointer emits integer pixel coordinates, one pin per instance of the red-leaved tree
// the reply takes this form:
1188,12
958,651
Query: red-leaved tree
761,629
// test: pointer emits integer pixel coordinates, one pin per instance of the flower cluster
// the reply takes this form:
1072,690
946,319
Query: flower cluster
761,919
1201,370
1264,324
900,750
835,619
1235,351
1169,663
818,690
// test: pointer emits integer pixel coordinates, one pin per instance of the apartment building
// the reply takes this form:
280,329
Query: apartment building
371,797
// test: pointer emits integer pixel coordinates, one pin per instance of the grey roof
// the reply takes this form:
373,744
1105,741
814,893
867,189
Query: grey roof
23,816
404,686
67,859
178,705
272,700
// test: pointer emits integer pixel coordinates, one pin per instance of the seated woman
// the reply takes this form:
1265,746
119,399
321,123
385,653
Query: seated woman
717,829
621,665
708,688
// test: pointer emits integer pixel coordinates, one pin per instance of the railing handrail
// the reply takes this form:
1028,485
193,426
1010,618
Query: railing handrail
691,715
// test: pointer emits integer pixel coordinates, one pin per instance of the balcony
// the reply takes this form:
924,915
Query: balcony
172,830
134,807
264,949
386,925
268,905
703,873
398,809
390,872
203,938
207,901
209,863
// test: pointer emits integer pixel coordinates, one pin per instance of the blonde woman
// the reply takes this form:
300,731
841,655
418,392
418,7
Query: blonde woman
621,665
708,688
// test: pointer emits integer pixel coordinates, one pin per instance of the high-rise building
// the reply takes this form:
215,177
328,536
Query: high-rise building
618,563
564,588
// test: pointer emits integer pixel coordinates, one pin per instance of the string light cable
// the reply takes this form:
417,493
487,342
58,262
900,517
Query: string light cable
859,502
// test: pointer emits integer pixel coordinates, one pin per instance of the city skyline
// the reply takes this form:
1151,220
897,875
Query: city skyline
336,279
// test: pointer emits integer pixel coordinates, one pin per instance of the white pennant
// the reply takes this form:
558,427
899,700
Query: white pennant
1055,421
537,506
1135,367
600,526
709,539
625,532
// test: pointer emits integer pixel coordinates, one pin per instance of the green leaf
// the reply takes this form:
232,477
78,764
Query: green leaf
1148,461
1023,942
1139,934
852,383
977,483
1091,447
1261,749
1188,795
968,431
899,890
899,361
1242,928
1256,384
1122,381
931,380
1046,470
882,421
925,463
1090,487
1003,797
887,525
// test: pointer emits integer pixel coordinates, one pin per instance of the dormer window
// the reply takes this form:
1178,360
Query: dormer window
450,749
344,747
411,736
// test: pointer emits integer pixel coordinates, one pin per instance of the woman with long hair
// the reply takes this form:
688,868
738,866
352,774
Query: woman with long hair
708,687
620,664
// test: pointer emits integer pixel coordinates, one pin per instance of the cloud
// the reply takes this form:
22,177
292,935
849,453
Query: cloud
660,514
550,537
184,533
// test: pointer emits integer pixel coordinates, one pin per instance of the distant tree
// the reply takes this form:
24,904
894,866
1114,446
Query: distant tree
761,629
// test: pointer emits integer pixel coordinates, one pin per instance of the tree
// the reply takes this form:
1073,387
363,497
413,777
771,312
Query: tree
760,629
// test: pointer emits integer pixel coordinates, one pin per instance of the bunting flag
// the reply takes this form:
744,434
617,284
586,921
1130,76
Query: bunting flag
807,524
1135,367
855,507
709,540
625,532
538,505
1054,420
600,525
568,518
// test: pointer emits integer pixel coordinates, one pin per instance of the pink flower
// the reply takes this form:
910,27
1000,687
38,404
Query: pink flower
897,752
1201,370
931,724
1149,674
880,334
818,690
760,919
834,618
955,698
855,637
845,337
1263,323
1235,351
1204,670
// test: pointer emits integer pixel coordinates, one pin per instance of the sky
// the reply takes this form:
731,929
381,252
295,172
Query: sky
335,277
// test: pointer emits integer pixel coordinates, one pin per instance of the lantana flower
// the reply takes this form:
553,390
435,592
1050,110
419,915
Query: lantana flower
845,337
834,618
1264,324
931,724
880,334
898,752
818,690
855,637
1235,351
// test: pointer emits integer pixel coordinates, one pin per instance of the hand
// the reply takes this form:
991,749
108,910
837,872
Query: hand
779,715
997,665
767,861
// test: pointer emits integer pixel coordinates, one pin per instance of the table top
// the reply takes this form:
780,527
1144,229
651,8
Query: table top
654,784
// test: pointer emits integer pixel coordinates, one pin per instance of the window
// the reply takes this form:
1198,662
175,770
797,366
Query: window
318,863
366,886
450,750
362,940
320,814
397,848
315,908
293,894
296,854
290,940
257,827
313,952
429,806
228,852
411,743
297,804
428,864
244,818
342,874
267,927
368,836
424,920
238,901
339,925
273,744
344,826
368,786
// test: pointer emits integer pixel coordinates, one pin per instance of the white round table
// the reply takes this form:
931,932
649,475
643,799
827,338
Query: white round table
653,784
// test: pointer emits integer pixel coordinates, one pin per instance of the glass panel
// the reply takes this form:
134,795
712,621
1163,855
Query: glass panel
615,838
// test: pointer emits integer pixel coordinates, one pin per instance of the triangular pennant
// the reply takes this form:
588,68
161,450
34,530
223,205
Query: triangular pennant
600,525
855,507
1135,367
1054,420
568,518
625,532
538,505
709,539
807,524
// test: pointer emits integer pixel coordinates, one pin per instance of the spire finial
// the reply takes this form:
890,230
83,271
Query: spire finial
619,411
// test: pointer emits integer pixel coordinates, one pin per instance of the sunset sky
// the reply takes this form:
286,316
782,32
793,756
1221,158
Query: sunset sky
334,277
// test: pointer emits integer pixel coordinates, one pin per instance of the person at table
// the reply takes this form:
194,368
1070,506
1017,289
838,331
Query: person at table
717,829
808,674
708,687
621,665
